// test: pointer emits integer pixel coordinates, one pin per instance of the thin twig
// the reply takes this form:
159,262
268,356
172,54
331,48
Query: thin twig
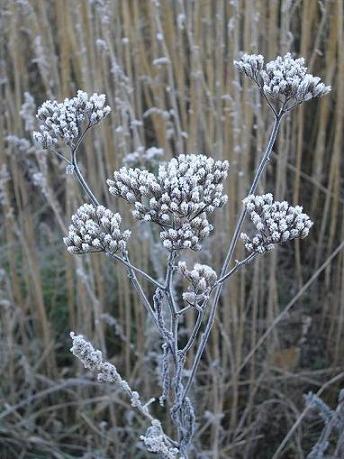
238,265
195,330
138,270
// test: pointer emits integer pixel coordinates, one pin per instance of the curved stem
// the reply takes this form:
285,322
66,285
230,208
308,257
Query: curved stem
125,260
261,167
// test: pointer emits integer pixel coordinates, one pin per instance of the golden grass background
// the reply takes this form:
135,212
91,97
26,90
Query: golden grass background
192,100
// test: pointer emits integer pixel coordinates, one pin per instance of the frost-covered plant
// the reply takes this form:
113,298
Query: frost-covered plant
96,229
63,121
275,222
179,197
201,279
283,81
333,428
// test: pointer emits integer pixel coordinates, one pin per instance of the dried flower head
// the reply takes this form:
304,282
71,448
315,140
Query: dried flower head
201,280
275,221
83,349
284,80
62,121
179,199
96,229
155,442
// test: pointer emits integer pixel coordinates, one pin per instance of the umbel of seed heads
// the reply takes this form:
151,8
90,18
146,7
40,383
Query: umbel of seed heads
96,229
201,279
275,221
283,80
63,121
179,198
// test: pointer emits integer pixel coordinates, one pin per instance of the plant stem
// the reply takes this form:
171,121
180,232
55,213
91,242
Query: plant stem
195,330
125,260
173,309
138,270
139,289
261,167
78,174
238,265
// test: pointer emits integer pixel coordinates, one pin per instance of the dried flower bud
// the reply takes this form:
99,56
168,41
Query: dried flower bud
91,358
201,279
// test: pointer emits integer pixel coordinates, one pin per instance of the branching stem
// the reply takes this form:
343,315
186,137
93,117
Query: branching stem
261,167
77,171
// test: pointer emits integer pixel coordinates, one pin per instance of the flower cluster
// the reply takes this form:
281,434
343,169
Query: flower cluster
201,278
155,442
92,359
275,221
96,229
185,191
62,121
284,79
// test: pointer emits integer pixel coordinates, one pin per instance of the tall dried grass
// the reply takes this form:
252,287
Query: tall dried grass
256,367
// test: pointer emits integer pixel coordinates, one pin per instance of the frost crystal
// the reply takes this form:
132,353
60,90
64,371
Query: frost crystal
179,199
201,279
275,221
96,229
284,79
62,121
